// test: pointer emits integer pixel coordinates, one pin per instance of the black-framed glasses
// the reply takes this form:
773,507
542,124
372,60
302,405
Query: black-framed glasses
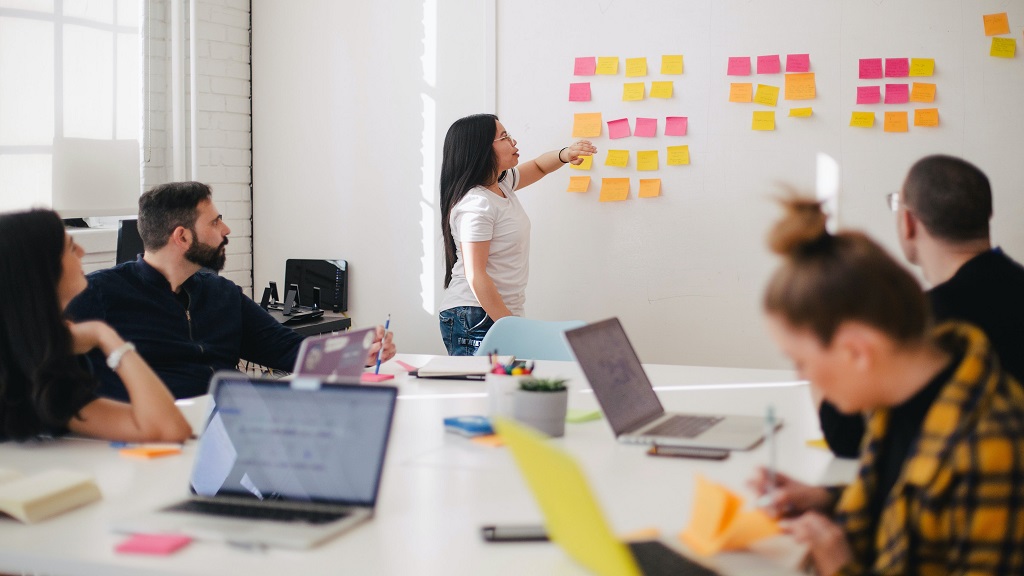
506,136
892,200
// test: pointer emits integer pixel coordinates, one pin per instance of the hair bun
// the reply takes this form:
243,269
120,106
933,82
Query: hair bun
802,226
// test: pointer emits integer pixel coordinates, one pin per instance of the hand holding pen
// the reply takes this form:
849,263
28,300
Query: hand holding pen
383,341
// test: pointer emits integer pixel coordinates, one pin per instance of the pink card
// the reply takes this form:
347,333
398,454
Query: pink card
153,544
897,93
646,127
675,125
370,377
897,67
869,94
585,66
769,64
739,66
870,68
579,92
798,63
618,128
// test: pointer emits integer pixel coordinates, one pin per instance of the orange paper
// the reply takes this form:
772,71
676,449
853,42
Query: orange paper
492,440
718,522
741,92
650,187
586,125
922,92
800,86
614,189
895,122
996,24
578,184
926,117
148,452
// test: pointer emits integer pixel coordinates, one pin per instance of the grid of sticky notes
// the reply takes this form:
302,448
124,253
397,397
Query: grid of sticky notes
998,27
883,84
797,84
631,79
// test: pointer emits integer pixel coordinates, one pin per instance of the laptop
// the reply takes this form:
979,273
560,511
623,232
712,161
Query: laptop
632,407
573,518
334,356
283,464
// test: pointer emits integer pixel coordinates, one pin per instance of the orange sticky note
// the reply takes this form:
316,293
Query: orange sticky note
922,92
641,535
679,155
147,452
619,158
741,92
607,65
996,24
1003,47
895,122
922,66
763,120
800,86
926,117
588,161
862,119
672,64
636,67
633,91
650,187
801,112
578,184
492,440
586,125
614,189
767,95
718,522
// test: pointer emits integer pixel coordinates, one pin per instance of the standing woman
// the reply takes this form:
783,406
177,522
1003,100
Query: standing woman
486,231
44,388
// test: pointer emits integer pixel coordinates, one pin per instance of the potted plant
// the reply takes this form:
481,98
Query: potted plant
541,403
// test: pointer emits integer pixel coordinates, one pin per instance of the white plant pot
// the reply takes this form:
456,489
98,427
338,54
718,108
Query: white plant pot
544,411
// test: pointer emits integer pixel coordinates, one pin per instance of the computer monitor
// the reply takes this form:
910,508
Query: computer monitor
129,243
330,276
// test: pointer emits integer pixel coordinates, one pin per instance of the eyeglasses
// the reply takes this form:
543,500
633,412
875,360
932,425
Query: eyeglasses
892,199
506,136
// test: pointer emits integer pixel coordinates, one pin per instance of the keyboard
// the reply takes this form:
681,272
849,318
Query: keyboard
234,510
682,426
656,559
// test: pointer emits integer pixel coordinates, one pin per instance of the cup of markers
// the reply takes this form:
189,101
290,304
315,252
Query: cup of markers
502,382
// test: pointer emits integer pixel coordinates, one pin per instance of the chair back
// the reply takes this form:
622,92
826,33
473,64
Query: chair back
529,339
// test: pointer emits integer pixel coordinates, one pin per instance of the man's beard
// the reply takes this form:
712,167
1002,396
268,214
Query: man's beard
212,257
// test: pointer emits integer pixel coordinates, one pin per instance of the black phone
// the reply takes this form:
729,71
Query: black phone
514,533
689,452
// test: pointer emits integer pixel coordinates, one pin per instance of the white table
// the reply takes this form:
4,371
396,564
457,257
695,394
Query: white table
438,488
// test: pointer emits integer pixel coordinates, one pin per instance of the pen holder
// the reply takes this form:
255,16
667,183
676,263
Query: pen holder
544,411
501,390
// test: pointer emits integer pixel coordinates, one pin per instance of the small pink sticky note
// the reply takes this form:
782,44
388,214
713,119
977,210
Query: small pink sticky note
675,125
646,127
153,544
897,93
585,66
869,94
897,67
798,63
371,377
579,92
618,128
870,68
739,66
406,366
769,64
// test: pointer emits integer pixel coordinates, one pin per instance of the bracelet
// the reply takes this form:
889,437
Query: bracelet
114,358
560,156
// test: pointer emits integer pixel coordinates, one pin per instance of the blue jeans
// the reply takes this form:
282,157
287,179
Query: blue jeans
462,329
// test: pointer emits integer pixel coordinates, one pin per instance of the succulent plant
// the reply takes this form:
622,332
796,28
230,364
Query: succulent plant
543,384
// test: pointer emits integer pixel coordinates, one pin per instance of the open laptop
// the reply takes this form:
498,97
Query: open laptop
628,400
334,356
286,464
573,518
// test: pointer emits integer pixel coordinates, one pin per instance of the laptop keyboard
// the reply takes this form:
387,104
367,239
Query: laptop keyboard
680,426
256,512
656,559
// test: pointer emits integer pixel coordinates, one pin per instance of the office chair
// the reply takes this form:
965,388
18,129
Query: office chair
129,243
530,339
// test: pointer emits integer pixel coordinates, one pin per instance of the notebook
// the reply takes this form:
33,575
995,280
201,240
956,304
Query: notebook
573,518
459,367
286,464
334,356
632,407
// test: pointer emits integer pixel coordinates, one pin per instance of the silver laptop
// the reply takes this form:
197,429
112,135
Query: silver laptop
334,356
287,464
631,405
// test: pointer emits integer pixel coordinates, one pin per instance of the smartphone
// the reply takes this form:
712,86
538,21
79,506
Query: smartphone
689,452
514,533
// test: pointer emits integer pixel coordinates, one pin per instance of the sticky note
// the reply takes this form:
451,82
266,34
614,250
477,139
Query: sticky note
579,415
767,95
586,125
578,184
672,64
585,66
614,189
650,188
922,66
895,122
739,66
862,119
618,128
897,67
636,67
153,544
870,68
741,92
147,452
922,92
897,93
588,162
490,440
718,522
800,86
678,155
926,117
371,378
618,158
647,160
676,125
769,64
633,91
801,112
996,24
607,65
642,534
818,443
661,89
579,92
763,120
869,94
1003,47
798,63
646,127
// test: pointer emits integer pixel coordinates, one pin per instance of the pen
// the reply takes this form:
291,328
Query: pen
769,424
380,352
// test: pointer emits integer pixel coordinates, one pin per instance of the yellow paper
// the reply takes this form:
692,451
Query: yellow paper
895,122
800,86
636,67
647,160
922,66
819,443
922,92
672,64
862,119
661,89
588,161
741,92
578,184
650,187
586,125
718,524
764,120
618,158
926,117
1003,47
607,65
632,91
767,95
678,155
996,24
614,189
801,112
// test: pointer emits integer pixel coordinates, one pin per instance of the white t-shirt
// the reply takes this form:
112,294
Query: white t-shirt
482,215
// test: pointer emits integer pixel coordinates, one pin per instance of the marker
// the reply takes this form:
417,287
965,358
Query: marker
381,351
769,431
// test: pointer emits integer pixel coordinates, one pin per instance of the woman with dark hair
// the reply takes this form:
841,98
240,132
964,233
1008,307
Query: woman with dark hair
44,388
485,229
940,488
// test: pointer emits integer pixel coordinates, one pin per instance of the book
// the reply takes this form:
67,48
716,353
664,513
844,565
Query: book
459,367
46,494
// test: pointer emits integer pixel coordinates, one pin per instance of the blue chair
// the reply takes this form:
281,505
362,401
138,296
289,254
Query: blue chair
529,339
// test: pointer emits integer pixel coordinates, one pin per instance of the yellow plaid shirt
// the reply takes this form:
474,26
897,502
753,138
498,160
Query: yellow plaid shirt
958,504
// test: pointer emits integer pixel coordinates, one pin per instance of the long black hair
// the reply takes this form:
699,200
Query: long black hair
40,379
468,161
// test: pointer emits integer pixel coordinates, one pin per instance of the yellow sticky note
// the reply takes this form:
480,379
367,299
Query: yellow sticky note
586,125
926,117
614,189
678,155
650,187
801,112
718,523
922,66
895,122
607,65
578,184
819,443
996,24
1003,47
661,89
636,67
767,95
672,64
588,161
632,91
800,86
741,92
647,160
618,158
763,120
862,119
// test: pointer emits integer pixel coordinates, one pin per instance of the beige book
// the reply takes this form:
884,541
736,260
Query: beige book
40,496
459,367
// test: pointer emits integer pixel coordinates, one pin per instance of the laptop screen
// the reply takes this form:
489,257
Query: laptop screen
295,441
614,372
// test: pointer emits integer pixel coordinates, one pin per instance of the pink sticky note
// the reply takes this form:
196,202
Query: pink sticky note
585,66
154,544
870,68
675,126
371,377
618,128
768,64
897,93
869,94
798,63
579,92
646,127
897,67
739,66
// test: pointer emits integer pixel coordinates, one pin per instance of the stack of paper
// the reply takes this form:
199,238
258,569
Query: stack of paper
718,524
